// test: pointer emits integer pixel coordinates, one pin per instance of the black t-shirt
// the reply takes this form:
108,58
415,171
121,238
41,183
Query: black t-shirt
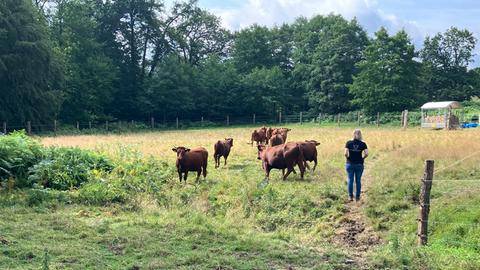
355,149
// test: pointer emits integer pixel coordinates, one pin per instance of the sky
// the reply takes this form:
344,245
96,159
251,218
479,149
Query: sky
419,18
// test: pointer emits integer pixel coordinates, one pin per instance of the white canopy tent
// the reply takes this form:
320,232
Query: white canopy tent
442,116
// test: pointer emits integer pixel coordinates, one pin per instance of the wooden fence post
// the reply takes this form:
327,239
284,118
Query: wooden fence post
177,122
228,120
422,231
29,127
338,119
78,125
319,118
280,117
152,122
202,121
106,125
89,124
301,118
254,119
358,118
378,119
405,119
4,127
402,118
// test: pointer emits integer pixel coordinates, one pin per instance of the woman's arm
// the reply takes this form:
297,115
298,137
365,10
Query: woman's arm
346,153
365,153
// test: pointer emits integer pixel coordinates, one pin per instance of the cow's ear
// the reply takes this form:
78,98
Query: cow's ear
187,150
174,149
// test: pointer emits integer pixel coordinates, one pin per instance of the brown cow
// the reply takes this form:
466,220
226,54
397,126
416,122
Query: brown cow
222,149
282,157
282,131
194,160
269,133
309,149
276,139
259,136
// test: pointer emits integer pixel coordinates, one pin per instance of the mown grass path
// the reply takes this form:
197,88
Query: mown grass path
354,234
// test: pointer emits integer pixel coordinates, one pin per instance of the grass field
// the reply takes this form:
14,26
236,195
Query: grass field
234,219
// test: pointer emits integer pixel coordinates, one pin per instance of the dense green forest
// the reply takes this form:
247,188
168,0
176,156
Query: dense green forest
90,60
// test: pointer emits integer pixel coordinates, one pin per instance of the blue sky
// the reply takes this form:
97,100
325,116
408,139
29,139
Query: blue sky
419,18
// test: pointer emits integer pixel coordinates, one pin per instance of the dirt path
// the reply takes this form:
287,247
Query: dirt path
353,233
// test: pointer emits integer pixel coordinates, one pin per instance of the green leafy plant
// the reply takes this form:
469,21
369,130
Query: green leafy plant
67,168
18,153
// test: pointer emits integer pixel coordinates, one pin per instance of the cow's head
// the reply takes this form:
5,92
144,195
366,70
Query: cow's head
229,141
180,151
260,148
313,141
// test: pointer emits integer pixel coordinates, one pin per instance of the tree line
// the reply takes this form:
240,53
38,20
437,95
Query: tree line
91,60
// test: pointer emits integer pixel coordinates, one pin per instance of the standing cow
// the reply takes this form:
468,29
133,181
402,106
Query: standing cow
276,139
281,131
194,160
222,149
282,157
259,136
309,150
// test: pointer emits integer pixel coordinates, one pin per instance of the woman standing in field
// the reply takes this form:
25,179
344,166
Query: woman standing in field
355,151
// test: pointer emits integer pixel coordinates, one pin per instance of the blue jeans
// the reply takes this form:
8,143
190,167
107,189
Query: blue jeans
354,171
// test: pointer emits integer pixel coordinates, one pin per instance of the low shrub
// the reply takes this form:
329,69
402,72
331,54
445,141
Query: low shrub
67,168
18,153
101,192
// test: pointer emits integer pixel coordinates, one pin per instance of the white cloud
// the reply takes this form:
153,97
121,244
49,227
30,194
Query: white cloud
275,12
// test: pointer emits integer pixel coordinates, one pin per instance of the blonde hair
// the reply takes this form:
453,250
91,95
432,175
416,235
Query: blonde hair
357,134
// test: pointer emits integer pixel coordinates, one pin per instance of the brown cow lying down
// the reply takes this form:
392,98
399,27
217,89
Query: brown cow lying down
259,136
309,150
282,131
276,139
222,149
194,160
282,157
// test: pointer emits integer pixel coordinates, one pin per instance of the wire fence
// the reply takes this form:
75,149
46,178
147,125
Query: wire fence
350,118
446,213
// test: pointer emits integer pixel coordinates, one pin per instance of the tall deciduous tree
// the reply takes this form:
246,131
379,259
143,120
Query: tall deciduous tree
446,57
197,33
130,27
30,73
90,75
328,49
387,80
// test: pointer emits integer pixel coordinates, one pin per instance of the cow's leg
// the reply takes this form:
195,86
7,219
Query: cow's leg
283,172
217,161
301,167
305,164
185,175
314,164
289,170
199,172
204,169
225,157
180,175
267,170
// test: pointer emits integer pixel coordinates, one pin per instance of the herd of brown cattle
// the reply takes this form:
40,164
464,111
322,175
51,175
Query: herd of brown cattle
273,150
